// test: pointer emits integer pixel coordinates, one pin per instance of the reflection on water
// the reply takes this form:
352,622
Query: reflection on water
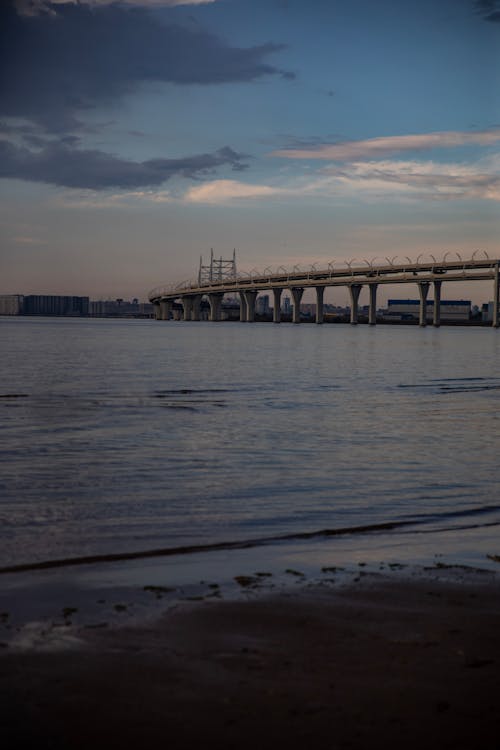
122,436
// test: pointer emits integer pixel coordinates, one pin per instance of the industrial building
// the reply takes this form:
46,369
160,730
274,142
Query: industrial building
409,309
52,304
120,308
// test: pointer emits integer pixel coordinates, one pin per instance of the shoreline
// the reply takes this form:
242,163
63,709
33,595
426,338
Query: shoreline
135,587
400,658
189,549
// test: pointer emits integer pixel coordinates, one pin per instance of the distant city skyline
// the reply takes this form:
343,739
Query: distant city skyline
402,309
136,136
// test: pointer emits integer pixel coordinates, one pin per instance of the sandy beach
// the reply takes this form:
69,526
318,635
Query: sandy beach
385,662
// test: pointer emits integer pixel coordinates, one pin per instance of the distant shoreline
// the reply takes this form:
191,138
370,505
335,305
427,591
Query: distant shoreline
258,319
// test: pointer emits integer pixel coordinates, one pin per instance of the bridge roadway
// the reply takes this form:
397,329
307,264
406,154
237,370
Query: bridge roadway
424,274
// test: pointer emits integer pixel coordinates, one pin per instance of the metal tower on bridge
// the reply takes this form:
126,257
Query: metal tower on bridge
219,269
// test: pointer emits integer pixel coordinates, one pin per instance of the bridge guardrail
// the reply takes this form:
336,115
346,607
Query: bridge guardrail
341,271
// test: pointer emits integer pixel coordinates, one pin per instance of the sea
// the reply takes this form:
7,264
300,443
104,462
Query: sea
193,450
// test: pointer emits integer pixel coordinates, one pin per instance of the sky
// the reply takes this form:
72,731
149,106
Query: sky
135,136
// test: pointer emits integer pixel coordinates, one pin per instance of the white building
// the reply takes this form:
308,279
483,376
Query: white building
11,304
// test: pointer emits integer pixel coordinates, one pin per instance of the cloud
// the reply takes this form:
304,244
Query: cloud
368,181
215,192
384,146
124,199
57,65
414,180
488,9
60,163
361,170
224,191
25,240
33,7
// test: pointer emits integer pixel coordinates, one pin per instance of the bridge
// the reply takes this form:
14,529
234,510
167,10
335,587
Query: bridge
220,277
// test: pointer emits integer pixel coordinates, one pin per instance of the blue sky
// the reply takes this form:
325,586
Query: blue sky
136,136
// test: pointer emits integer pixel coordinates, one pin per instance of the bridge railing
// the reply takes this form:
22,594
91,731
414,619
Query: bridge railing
348,271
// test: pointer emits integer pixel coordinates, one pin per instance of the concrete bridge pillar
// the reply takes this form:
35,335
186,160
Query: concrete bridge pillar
215,302
297,293
250,297
423,288
195,307
320,291
496,322
187,306
243,308
372,310
165,308
436,320
354,290
157,310
277,305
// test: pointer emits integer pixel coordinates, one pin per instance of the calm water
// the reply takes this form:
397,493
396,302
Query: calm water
120,436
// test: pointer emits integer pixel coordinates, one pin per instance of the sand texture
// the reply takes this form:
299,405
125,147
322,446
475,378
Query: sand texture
393,664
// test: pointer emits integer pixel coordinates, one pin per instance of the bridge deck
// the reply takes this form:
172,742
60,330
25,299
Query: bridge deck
367,274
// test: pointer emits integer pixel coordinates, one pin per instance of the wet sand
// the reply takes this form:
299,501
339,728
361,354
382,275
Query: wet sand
386,662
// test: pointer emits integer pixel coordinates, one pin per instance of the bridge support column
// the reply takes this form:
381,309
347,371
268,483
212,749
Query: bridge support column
165,308
423,289
250,297
243,308
215,302
157,310
372,310
436,319
277,305
320,291
354,290
496,322
297,293
187,306
195,307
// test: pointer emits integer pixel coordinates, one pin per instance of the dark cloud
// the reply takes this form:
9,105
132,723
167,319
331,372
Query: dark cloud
488,9
68,59
60,163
